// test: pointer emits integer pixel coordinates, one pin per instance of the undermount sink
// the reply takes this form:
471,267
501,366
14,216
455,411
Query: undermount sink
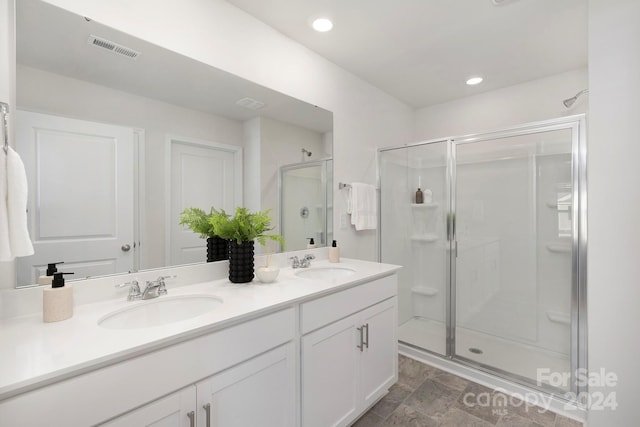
325,273
159,311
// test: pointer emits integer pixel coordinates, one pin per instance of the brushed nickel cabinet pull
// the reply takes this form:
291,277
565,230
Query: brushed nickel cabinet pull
207,412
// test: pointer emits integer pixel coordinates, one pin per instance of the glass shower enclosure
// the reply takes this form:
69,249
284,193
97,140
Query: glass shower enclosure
495,254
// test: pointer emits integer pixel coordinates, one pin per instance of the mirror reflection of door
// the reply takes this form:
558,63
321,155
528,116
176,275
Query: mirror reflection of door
81,204
203,175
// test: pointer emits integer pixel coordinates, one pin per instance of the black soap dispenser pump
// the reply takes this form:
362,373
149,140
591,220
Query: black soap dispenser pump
311,244
51,270
57,301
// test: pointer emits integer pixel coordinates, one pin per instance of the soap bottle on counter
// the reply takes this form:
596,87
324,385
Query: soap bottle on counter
48,278
57,301
334,252
311,244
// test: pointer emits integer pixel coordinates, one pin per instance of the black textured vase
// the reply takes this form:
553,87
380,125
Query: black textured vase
217,249
240,261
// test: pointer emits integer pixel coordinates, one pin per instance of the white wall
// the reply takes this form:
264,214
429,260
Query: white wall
217,33
8,95
614,204
514,105
50,93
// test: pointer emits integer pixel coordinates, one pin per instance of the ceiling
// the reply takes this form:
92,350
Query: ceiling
56,40
423,51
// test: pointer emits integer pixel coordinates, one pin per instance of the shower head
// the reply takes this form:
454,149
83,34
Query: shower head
570,101
307,152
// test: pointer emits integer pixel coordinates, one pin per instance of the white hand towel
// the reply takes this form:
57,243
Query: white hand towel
364,206
17,193
5,244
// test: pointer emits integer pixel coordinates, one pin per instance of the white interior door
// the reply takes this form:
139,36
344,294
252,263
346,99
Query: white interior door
203,175
80,206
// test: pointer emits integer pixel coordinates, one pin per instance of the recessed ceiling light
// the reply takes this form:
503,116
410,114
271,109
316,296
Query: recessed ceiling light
474,81
322,25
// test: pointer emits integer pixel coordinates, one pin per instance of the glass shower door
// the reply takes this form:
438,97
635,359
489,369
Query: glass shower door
415,236
514,235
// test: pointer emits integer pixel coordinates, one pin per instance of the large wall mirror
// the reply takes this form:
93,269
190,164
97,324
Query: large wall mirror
119,135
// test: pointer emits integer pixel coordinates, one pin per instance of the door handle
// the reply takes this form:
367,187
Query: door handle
192,418
207,412
126,247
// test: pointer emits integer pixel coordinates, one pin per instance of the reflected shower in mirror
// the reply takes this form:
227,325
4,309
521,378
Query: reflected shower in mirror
305,207
129,134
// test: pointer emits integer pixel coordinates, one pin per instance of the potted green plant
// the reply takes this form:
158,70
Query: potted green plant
242,229
199,222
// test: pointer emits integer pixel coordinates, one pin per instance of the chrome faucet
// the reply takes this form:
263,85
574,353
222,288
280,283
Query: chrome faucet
306,261
295,262
301,263
156,288
134,290
152,289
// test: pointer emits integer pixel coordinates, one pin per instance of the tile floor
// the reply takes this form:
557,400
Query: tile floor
425,396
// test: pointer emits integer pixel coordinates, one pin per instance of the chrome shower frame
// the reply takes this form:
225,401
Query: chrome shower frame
578,351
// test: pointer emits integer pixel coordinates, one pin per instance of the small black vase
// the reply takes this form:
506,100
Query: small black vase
241,261
217,249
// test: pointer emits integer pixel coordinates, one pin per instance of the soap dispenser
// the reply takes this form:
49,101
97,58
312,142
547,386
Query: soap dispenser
334,252
48,278
57,301
311,244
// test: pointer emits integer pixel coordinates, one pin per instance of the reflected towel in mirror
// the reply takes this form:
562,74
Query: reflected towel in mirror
16,206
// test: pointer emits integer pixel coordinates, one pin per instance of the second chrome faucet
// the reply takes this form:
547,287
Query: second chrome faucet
302,263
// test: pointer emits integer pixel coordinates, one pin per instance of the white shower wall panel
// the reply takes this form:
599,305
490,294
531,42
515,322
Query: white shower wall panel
496,226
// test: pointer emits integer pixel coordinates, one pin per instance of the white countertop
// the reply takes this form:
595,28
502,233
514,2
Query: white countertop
35,353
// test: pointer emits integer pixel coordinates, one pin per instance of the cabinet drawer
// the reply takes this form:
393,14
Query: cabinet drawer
320,312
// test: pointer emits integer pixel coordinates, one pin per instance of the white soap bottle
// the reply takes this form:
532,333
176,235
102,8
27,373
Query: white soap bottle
57,301
311,244
334,252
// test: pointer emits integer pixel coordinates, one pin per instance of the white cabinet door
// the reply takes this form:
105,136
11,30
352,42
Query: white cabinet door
258,392
348,365
175,410
330,360
379,357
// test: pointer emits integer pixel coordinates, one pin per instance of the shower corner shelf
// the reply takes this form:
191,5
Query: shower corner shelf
559,247
425,238
424,205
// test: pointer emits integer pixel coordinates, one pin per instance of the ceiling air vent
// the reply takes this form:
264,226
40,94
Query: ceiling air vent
113,47
250,103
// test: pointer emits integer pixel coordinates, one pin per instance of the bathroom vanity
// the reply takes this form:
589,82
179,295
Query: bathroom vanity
312,349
